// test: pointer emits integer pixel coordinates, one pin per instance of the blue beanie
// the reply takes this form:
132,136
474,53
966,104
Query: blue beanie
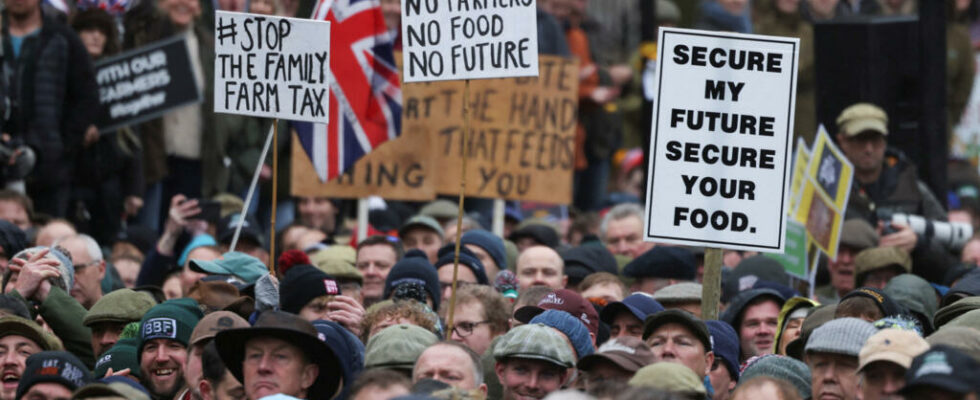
571,327
493,245
467,259
414,268
198,241
724,343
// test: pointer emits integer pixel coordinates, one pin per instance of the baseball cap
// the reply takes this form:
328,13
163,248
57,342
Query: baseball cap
862,117
564,300
209,326
440,208
695,325
627,352
250,229
641,305
894,345
945,368
232,263
421,221
571,327
536,342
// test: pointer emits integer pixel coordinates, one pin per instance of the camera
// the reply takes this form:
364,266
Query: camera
952,235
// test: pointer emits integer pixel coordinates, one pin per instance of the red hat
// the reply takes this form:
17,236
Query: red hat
564,300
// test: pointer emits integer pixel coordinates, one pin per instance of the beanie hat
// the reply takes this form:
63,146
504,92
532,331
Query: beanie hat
467,259
120,356
65,266
725,345
397,346
414,269
784,368
173,319
884,302
573,329
197,241
843,336
347,347
121,305
302,284
59,367
490,243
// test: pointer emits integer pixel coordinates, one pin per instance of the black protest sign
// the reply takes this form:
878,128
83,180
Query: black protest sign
145,83
469,39
272,67
720,140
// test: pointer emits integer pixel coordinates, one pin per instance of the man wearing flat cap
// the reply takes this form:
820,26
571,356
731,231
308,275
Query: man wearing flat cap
886,182
280,354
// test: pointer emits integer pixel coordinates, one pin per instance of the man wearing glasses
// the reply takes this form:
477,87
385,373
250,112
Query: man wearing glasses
86,256
481,315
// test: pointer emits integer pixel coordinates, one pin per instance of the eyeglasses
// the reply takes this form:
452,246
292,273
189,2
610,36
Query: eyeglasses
465,329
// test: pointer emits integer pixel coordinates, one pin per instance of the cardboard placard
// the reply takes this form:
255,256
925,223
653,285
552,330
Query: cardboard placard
272,66
522,140
720,140
399,169
463,39
144,83
521,145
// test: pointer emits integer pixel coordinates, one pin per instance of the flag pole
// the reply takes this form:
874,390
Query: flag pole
275,188
251,189
459,217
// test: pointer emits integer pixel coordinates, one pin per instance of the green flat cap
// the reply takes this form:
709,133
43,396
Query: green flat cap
397,346
121,305
668,376
536,342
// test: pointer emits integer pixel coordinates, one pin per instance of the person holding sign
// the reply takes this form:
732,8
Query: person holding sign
887,184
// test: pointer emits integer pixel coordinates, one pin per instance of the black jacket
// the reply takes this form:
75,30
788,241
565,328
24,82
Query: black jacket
52,86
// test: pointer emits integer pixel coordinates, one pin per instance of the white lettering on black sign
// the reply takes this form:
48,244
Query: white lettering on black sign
272,67
469,39
720,139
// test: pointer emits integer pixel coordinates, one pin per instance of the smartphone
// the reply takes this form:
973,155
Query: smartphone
210,211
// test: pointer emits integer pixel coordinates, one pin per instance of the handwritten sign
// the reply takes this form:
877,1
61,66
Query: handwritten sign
144,83
464,39
272,67
720,141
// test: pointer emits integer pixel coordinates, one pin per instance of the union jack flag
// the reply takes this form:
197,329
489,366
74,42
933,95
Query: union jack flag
365,96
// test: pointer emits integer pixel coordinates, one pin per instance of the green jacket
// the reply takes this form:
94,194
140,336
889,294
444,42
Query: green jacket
64,315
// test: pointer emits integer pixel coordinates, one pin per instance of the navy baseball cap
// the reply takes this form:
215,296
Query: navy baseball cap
945,368
640,304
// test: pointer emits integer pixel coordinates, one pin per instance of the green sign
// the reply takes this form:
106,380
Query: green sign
794,258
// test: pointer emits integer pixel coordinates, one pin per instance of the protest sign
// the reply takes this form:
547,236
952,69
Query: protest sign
793,259
521,144
463,39
721,136
144,83
401,169
272,67
801,160
825,192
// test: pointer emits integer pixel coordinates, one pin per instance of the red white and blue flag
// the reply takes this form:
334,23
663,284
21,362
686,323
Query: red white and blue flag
365,96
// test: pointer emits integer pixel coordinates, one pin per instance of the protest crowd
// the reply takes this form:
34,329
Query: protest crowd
123,274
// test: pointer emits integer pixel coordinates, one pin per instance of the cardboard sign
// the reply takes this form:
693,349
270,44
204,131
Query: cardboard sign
271,66
464,39
825,192
793,258
521,144
801,160
721,136
400,169
144,83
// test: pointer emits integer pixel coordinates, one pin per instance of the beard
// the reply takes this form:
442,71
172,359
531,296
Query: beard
164,393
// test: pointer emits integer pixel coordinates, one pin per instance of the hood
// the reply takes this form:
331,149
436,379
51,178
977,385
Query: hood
791,305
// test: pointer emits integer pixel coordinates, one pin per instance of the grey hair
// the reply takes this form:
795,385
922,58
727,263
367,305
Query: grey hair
91,246
621,211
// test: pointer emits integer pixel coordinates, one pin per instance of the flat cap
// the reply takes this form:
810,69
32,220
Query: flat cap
121,305
663,262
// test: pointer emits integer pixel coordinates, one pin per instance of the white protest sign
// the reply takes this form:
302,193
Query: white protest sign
271,67
469,39
720,140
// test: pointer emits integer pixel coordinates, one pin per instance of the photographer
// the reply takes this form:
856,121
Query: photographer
886,183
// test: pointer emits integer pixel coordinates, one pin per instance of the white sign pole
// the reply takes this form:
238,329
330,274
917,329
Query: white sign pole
251,189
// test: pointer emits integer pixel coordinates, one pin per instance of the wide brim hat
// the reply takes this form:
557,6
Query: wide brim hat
231,347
